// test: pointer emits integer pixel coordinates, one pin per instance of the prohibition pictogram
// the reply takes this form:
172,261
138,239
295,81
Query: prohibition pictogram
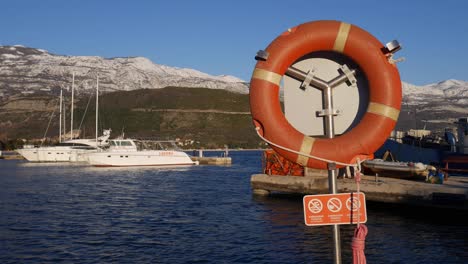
353,204
315,206
334,209
334,205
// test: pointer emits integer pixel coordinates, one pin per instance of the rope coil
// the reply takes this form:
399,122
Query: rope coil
359,239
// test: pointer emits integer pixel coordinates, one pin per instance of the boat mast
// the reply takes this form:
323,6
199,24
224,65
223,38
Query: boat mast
60,118
97,104
64,121
73,92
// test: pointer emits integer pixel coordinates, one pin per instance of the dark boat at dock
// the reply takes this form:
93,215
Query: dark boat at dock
448,153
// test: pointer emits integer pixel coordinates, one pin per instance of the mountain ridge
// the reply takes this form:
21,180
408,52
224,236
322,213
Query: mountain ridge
27,71
129,73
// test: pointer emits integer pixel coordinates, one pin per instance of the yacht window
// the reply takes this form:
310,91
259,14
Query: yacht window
140,145
72,144
113,143
126,143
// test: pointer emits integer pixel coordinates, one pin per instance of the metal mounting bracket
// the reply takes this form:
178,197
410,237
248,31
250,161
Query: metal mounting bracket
328,112
308,78
349,74
262,55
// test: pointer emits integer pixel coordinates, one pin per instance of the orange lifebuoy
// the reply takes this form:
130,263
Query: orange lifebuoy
384,93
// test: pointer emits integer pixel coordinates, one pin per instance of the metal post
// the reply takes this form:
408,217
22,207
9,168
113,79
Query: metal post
328,108
328,113
332,188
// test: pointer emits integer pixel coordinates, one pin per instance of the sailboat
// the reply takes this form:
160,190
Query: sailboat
72,150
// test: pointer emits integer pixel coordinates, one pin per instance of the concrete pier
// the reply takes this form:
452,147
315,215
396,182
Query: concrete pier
452,194
202,160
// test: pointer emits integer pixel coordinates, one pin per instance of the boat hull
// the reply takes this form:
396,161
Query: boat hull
139,158
456,163
54,154
410,153
400,170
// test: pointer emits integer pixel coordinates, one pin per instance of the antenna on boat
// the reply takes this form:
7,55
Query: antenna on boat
73,92
60,118
425,123
123,133
64,120
97,103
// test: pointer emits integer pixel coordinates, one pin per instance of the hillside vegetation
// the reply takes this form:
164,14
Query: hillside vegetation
200,117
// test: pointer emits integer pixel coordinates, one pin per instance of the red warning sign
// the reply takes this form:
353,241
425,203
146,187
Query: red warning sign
335,209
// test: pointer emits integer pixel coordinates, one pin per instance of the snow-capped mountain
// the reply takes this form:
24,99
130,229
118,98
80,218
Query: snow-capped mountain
25,69
453,90
434,106
447,92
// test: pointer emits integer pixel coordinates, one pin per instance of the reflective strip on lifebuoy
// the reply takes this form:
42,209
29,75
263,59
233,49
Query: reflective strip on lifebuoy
384,92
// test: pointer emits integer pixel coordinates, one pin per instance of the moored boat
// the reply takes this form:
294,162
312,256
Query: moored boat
449,153
130,152
72,150
67,151
396,169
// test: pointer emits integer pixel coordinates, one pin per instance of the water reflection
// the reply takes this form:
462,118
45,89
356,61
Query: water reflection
73,213
396,234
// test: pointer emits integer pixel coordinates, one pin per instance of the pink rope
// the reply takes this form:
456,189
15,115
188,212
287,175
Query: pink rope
358,244
359,240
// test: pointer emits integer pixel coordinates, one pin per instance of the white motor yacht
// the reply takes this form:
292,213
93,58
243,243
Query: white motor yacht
130,152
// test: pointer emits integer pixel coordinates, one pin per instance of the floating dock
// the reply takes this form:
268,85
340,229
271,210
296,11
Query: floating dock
452,194
210,160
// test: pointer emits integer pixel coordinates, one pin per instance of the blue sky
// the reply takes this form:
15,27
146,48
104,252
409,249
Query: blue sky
222,37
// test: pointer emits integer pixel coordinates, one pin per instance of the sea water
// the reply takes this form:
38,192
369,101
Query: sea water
200,214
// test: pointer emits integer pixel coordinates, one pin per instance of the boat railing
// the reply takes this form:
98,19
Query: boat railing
156,145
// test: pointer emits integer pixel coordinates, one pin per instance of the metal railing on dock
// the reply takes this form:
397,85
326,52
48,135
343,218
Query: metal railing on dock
223,160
